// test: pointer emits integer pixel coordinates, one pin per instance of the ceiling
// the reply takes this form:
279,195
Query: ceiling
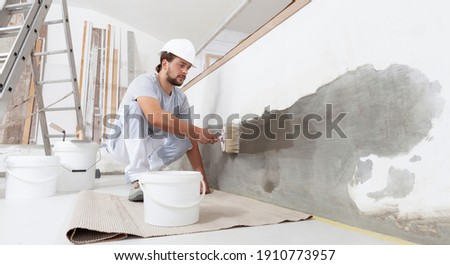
197,20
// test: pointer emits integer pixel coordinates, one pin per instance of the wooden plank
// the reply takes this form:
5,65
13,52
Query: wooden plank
34,130
98,92
130,56
30,104
108,50
86,28
99,129
273,23
80,84
118,66
92,81
113,106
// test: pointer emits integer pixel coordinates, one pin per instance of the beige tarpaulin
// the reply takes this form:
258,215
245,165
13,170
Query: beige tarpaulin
102,217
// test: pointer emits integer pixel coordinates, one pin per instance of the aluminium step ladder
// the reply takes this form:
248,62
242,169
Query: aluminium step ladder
14,61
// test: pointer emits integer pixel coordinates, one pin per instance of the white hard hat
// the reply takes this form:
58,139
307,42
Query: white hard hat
182,48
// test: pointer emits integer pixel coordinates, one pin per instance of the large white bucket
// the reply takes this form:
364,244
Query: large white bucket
31,177
78,160
172,198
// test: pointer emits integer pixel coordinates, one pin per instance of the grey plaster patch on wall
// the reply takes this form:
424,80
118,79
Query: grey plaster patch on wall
400,183
388,113
415,158
271,177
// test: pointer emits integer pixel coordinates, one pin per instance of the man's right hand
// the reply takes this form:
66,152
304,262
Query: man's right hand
207,137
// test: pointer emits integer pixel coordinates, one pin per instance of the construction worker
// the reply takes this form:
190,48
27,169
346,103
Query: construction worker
153,128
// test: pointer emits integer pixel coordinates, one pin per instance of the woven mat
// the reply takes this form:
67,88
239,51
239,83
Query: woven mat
102,217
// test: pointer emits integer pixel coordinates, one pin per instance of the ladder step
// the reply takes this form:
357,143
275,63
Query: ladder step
9,31
61,109
55,81
60,135
49,53
51,22
18,8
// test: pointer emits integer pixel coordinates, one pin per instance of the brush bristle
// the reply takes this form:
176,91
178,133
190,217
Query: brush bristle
231,138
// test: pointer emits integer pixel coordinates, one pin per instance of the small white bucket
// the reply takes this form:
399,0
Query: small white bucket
31,177
78,160
172,198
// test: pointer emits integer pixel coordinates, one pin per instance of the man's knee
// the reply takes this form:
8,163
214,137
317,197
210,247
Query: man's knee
186,144
174,149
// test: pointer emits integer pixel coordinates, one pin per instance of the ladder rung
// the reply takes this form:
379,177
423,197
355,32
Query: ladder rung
49,53
60,135
54,81
61,109
16,8
50,22
8,31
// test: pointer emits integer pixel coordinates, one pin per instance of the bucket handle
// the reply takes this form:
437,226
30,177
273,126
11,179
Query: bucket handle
84,170
29,181
17,177
175,206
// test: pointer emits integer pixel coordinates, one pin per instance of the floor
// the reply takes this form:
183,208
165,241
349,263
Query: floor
44,221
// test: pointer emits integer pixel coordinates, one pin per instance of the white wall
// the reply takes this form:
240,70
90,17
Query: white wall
220,45
352,34
320,43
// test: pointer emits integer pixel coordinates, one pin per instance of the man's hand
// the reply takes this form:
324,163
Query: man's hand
207,190
207,137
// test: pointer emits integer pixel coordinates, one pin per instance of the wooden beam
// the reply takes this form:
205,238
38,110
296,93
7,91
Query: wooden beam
108,50
114,82
80,84
130,54
30,105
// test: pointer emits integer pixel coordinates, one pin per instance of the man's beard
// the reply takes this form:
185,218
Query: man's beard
174,81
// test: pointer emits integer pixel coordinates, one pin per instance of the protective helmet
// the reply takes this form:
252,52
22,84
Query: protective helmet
182,48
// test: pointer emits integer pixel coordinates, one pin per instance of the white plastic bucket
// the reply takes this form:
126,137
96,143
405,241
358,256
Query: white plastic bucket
172,198
78,160
31,177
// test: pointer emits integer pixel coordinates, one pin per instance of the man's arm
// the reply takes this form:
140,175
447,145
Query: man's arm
195,159
169,123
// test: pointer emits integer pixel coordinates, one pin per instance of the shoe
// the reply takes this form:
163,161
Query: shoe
136,194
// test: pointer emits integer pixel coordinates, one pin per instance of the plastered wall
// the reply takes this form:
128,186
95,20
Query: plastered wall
345,110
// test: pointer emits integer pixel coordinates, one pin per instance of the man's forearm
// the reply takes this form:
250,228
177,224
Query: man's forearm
170,123
195,158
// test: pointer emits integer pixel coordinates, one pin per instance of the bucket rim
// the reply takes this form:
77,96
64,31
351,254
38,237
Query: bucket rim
32,161
163,177
69,146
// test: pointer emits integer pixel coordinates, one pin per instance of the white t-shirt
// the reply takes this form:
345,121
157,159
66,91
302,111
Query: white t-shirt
148,85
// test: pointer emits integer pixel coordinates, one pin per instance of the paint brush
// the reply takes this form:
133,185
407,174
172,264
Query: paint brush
58,128
229,138
61,130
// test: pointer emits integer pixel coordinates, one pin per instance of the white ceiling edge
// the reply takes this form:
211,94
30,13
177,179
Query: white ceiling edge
198,20
167,19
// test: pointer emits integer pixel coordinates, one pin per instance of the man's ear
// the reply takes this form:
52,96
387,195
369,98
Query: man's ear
164,63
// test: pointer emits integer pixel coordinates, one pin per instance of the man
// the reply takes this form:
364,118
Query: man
154,127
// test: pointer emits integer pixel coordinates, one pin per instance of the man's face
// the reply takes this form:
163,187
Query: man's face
177,71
